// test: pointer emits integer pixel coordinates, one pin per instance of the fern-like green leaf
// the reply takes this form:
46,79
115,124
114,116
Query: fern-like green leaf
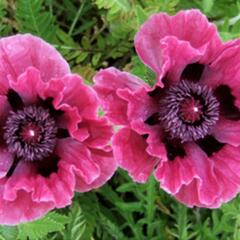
4,27
8,232
31,18
77,225
111,228
114,6
38,229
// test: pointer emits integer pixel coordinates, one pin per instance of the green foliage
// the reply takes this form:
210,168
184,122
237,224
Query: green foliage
96,34
38,229
52,222
31,17
114,6
77,226
4,21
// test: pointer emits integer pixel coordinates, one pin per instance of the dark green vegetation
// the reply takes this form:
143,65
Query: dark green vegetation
92,34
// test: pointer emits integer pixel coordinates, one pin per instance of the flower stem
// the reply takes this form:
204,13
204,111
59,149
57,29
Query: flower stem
76,18
151,193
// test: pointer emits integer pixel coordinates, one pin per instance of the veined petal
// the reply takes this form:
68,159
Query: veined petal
108,83
130,152
186,26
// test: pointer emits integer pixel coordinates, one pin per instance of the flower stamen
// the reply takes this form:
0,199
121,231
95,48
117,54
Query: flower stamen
188,111
30,133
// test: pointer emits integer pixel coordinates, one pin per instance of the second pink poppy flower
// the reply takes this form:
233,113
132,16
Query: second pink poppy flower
187,127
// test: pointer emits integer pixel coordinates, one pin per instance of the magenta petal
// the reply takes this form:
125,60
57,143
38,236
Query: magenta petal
4,85
4,109
225,68
104,159
130,152
80,96
140,104
208,187
28,85
174,174
23,209
76,154
173,65
62,182
226,172
192,179
227,167
155,145
22,51
188,195
227,131
186,25
38,193
99,132
107,84
6,160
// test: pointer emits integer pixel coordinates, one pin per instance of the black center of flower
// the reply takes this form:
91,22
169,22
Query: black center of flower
189,111
30,133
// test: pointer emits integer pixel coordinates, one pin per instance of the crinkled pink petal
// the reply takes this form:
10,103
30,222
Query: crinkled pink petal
225,70
227,167
208,187
173,174
78,95
140,105
190,26
227,131
196,169
79,156
70,120
21,51
107,84
43,193
52,89
99,132
93,167
4,85
4,110
6,159
62,184
23,209
28,85
173,65
71,116
226,171
130,152
104,159
156,147
188,195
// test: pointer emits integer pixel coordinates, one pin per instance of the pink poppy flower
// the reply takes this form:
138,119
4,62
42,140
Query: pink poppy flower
52,141
187,127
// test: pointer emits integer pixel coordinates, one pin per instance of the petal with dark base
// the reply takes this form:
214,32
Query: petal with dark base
130,152
185,26
107,84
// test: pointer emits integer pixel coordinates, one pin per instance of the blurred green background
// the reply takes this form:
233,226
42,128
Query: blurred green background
94,34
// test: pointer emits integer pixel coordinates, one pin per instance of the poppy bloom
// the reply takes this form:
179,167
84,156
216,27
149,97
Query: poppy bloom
186,127
52,141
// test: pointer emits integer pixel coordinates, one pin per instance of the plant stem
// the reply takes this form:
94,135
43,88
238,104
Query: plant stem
76,18
182,222
150,206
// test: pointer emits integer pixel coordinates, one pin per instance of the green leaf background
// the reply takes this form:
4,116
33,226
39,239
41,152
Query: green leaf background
94,34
